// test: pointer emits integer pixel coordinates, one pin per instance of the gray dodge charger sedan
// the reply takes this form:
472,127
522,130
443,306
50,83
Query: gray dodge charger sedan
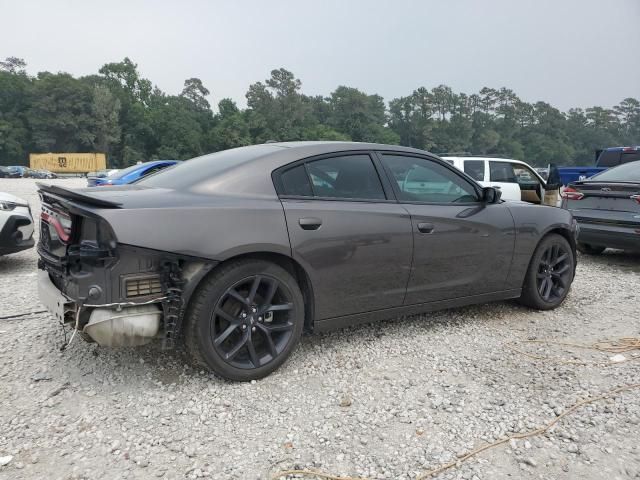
234,254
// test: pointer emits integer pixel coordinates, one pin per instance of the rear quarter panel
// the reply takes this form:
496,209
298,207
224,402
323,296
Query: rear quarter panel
224,229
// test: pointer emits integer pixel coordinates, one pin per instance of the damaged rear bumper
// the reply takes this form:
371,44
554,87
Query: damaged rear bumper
128,298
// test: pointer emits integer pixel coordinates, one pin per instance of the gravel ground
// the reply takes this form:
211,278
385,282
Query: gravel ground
387,400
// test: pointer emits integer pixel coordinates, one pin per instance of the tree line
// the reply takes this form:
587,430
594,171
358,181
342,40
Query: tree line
122,114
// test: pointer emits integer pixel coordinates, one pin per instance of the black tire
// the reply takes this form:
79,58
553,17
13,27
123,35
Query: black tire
589,249
226,311
550,274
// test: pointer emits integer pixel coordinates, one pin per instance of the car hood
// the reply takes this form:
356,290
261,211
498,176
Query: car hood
7,197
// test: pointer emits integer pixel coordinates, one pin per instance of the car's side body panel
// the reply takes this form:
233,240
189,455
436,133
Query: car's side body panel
358,260
468,252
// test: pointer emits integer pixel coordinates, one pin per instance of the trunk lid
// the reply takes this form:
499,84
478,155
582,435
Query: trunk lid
609,196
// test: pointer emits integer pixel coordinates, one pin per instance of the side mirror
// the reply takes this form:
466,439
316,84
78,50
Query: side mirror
553,179
491,195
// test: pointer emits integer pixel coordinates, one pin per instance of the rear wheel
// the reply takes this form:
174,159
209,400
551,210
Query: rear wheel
591,249
245,320
549,275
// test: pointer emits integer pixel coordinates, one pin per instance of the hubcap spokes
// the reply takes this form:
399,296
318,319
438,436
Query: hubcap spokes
553,273
252,322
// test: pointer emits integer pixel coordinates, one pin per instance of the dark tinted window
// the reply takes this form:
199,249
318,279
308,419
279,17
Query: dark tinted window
475,169
352,176
628,172
502,172
630,157
609,159
296,182
422,180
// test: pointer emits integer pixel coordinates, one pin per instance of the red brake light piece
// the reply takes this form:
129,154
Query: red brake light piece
63,233
635,197
571,193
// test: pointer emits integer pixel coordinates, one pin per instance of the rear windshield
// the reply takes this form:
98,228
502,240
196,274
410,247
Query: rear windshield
197,170
628,172
609,158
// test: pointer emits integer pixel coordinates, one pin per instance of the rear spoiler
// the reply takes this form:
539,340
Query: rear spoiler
76,196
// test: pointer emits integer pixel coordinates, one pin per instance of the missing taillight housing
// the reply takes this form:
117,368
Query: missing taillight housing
571,193
60,223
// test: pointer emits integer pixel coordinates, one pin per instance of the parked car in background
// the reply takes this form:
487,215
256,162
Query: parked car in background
9,172
515,179
605,159
16,224
607,209
239,251
23,172
131,174
102,173
42,174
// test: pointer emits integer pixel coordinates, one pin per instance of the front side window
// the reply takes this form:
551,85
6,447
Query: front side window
475,169
422,180
502,172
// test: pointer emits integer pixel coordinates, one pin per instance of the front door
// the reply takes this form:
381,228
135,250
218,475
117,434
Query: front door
354,242
502,176
462,246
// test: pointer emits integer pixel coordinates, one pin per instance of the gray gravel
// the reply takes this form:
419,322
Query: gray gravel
387,400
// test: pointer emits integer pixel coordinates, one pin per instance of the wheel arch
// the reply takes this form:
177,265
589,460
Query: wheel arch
284,261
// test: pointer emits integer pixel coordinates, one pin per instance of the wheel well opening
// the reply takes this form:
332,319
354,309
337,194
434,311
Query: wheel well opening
567,235
291,266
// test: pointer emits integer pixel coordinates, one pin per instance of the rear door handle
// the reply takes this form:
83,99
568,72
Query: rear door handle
310,223
424,227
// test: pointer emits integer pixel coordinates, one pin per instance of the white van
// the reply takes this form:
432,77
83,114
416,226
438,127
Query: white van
515,179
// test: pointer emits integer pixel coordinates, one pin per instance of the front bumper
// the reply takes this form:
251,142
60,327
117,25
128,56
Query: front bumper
16,234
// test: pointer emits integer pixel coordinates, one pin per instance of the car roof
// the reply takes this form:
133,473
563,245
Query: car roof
493,159
619,149
247,170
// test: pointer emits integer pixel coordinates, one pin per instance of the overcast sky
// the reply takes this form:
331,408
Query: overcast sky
566,52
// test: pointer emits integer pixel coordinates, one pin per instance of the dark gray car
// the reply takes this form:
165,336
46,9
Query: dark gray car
607,208
237,252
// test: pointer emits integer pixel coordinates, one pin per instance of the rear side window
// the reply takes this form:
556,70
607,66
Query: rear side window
296,182
609,159
347,177
502,172
352,176
475,169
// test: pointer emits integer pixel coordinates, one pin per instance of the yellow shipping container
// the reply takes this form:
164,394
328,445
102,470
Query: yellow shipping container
68,162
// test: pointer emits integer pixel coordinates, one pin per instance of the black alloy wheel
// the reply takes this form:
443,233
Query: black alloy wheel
251,325
550,273
554,273
245,319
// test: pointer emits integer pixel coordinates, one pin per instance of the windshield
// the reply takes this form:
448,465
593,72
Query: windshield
192,172
628,172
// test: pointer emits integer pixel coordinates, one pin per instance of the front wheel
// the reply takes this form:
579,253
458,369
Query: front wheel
245,320
590,249
550,274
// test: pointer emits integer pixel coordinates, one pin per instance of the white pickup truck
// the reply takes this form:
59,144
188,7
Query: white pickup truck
514,178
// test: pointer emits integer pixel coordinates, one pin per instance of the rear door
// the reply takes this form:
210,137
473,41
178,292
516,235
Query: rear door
353,239
502,176
462,246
